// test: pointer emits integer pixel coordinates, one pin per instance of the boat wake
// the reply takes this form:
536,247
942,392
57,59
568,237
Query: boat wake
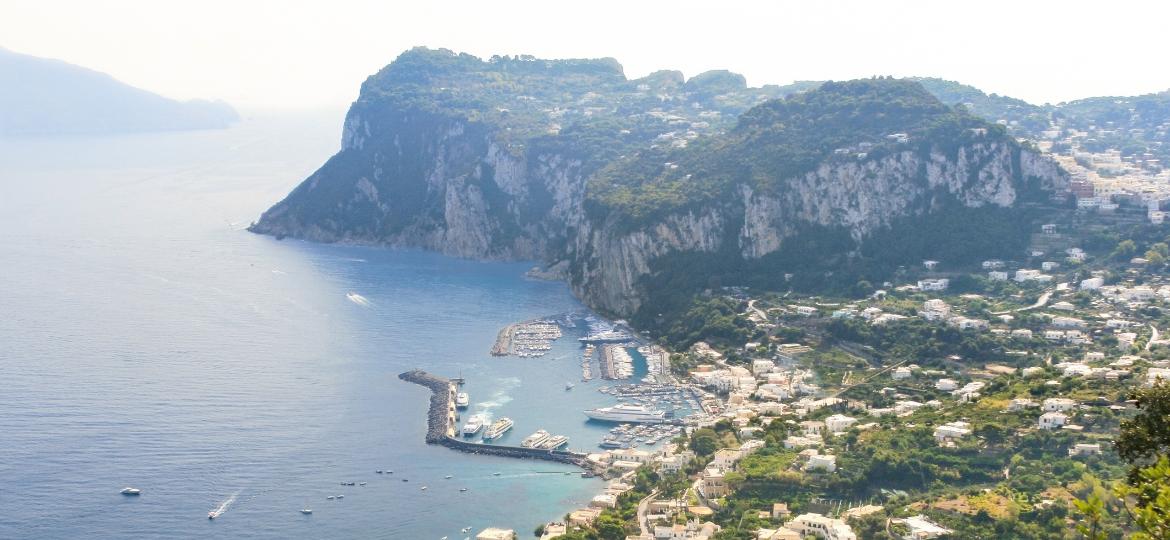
358,299
499,398
223,506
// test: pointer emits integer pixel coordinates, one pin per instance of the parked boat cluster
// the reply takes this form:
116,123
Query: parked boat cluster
631,435
587,363
528,339
616,363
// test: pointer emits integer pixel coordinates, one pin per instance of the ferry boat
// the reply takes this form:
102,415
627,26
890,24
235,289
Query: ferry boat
554,442
535,440
625,412
461,400
473,425
498,428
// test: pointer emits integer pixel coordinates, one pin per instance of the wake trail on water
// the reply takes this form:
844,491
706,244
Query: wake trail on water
358,299
223,506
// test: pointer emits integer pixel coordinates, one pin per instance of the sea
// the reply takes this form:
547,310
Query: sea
148,340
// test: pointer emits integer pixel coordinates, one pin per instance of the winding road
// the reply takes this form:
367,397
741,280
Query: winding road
1040,302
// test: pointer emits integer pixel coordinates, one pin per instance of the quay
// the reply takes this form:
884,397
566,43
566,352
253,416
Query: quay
441,426
503,344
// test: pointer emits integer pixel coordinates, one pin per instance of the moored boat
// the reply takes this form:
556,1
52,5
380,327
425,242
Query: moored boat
498,428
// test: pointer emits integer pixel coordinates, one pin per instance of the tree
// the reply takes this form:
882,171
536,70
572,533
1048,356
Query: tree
1092,508
705,442
1146,436
1149,490
1125,250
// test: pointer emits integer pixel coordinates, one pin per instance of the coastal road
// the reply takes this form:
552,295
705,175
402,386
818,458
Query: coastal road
643,505
752,307
1040,302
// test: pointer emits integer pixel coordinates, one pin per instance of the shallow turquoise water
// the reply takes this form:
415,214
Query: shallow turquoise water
146,340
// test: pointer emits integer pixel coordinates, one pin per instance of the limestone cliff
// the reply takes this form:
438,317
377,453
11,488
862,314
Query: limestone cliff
572,164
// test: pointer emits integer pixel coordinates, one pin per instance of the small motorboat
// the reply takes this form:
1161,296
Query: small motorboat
462,489
131,491
341,496
465,530
448,477
379,471
405,480
306,511
424,488
495,474
211,515
330,497
360,484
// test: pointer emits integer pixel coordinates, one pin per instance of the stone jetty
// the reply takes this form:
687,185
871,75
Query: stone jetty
441,426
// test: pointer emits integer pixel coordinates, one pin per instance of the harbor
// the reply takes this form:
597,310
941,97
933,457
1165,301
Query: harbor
441,422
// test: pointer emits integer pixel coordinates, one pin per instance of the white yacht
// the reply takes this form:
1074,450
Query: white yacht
131,491
535,440
625,412
461,400
473,425
498,428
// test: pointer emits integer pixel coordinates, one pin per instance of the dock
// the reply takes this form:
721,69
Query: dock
441,425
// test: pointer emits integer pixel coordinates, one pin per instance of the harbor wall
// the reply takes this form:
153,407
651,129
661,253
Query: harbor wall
441,419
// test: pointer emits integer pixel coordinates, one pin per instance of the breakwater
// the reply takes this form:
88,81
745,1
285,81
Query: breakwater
441,425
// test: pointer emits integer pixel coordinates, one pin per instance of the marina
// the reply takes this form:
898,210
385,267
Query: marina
529,339
587,363
616,362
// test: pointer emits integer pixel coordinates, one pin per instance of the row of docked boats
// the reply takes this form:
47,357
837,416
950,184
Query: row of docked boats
631,435
541,439
544,440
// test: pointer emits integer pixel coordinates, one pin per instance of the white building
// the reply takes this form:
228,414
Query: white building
1052,420
1084,449
935,310
822,527
902,372
839,423
946,385
997,275
922,528
1059,405
1020,404
1156,375
951,432
821,462
1092,284
939,284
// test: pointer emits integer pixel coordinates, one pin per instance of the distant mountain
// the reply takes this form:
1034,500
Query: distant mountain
1024,117
41,96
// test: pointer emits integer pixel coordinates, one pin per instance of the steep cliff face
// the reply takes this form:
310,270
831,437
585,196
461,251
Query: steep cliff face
437,183
860,197
570,163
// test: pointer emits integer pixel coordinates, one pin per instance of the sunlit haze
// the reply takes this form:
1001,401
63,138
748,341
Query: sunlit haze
315,54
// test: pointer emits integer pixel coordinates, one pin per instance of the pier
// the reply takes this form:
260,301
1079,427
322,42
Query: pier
441,425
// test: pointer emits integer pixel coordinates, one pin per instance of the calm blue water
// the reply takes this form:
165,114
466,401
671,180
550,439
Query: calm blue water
146,340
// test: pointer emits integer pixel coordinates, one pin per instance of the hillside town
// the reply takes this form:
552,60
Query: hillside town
992,392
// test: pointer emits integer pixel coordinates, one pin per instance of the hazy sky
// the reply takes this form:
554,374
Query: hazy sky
295,53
